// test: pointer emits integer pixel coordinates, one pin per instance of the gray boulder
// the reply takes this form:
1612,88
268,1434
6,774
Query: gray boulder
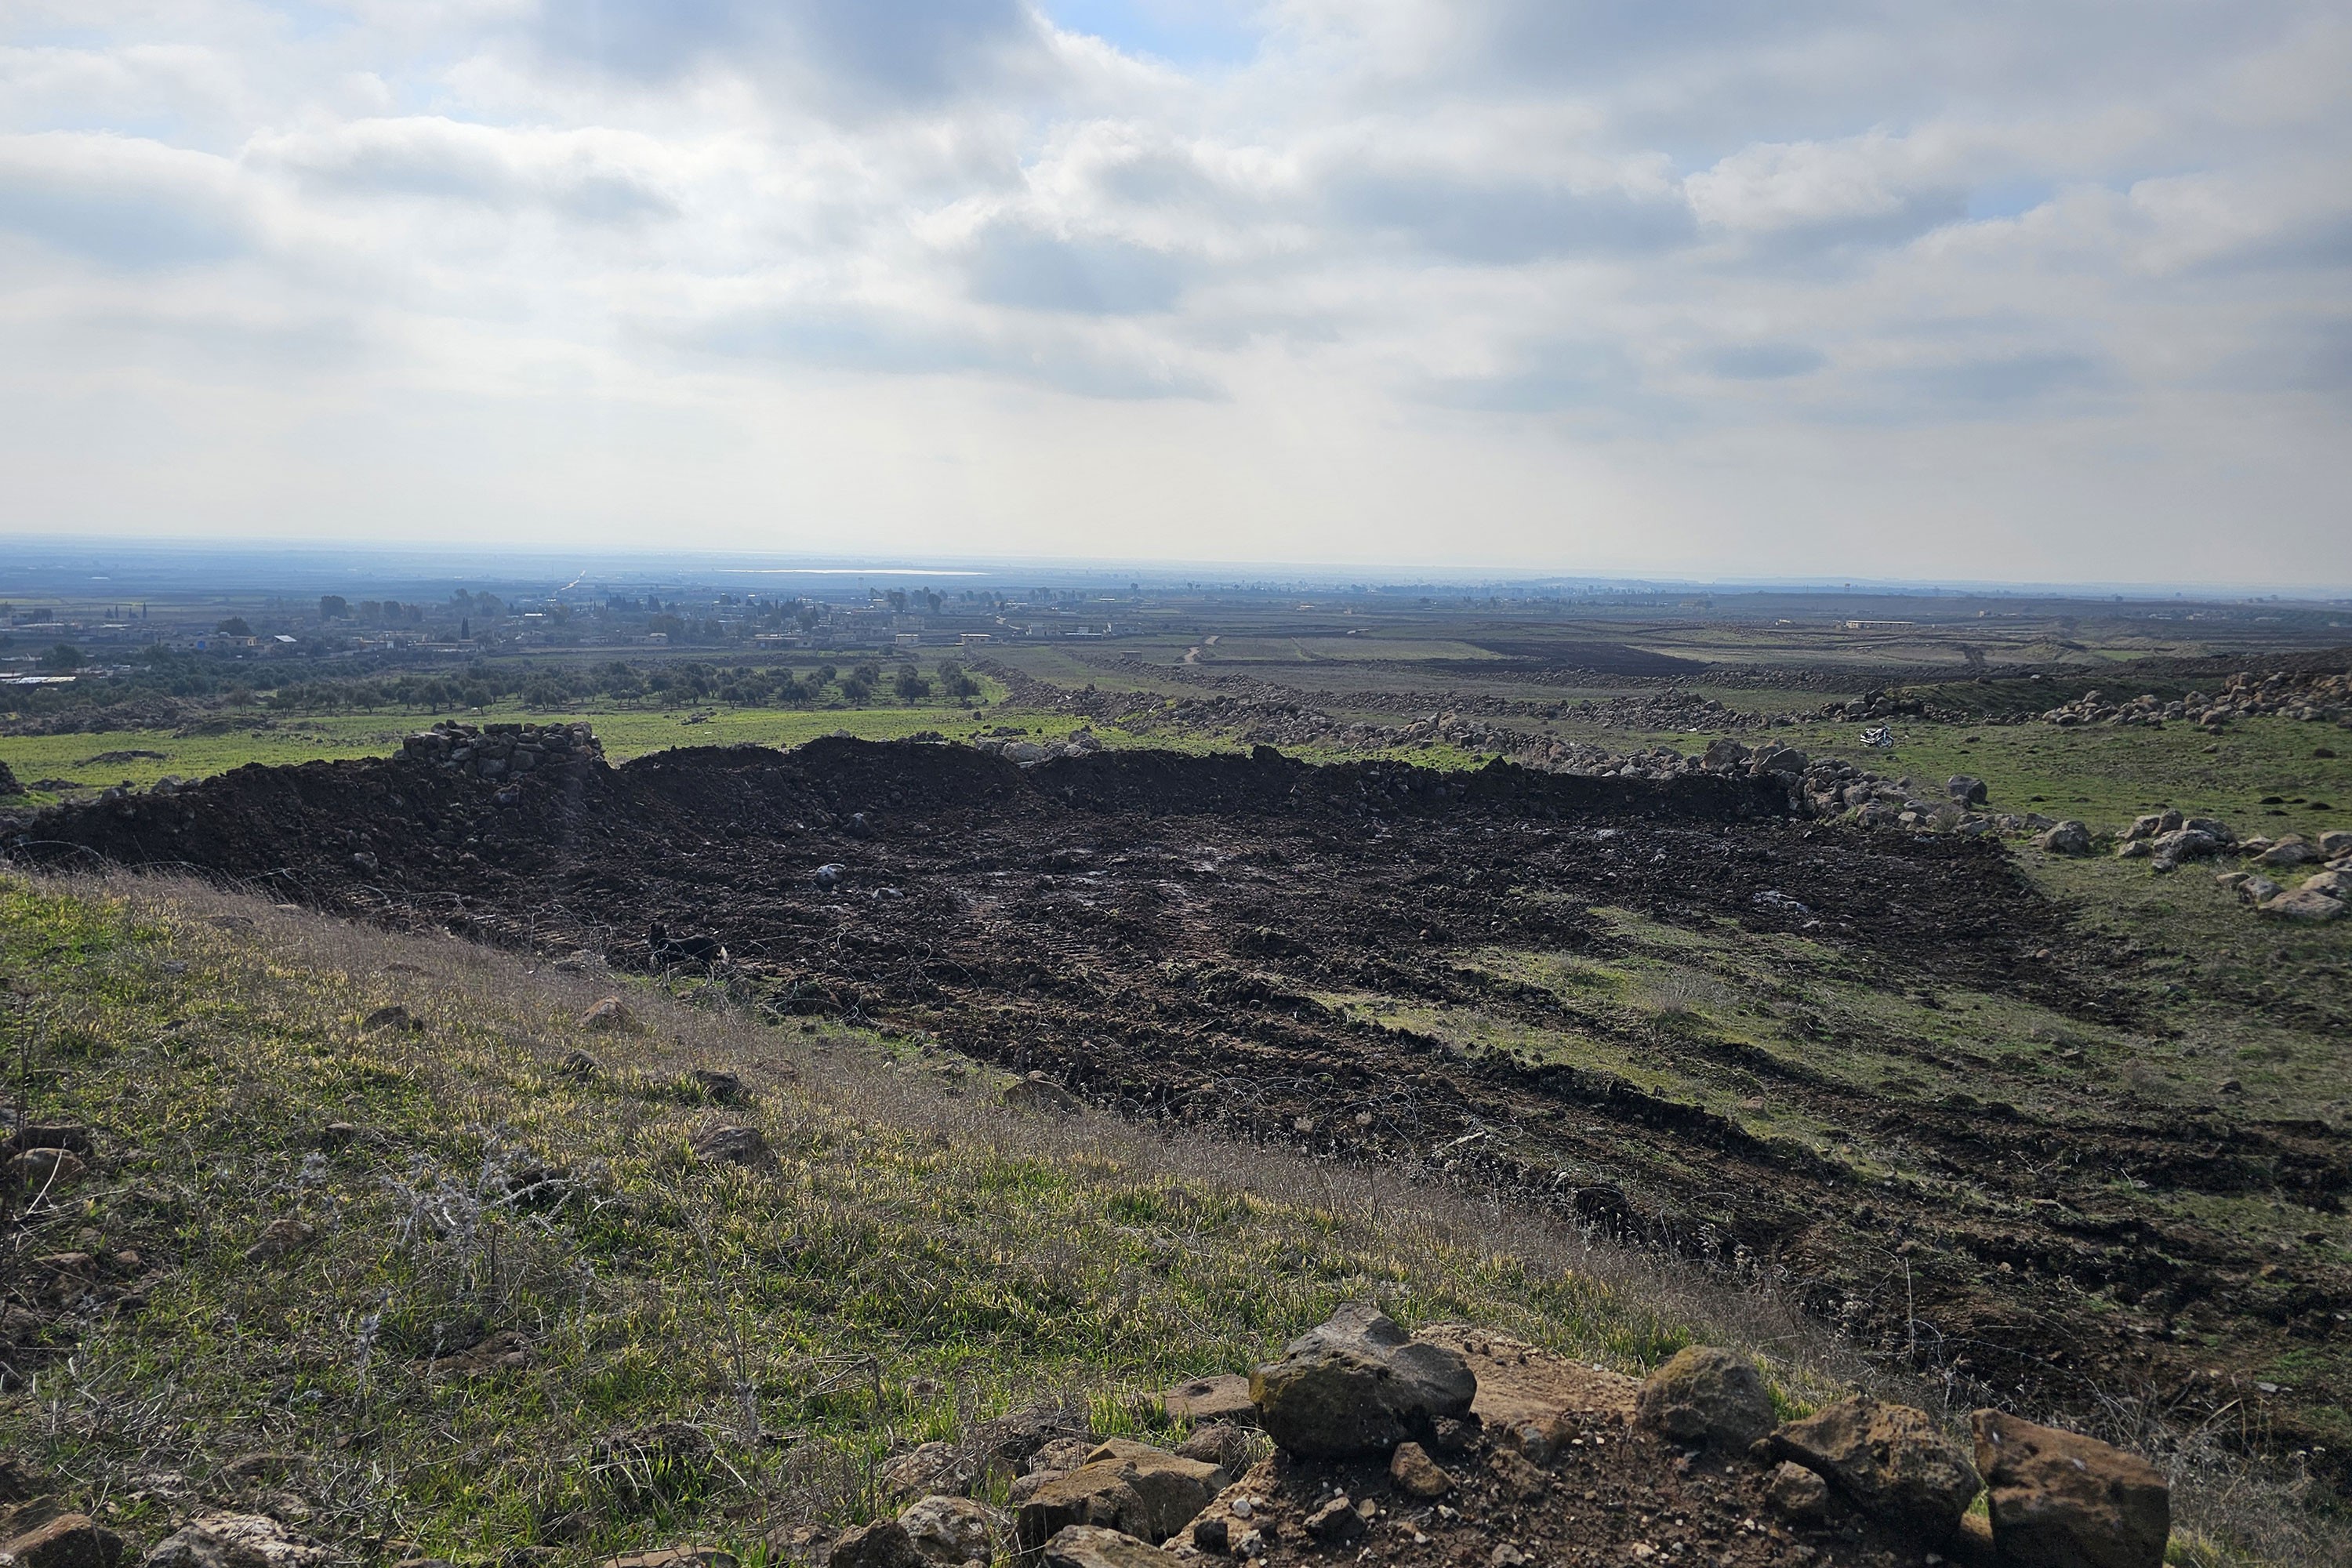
1359,1384
1965,789
1707,1396
2306,904
1889,1460
2069,838
2063,1501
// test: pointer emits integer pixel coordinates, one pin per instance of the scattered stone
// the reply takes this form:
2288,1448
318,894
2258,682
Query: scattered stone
1038,1093
2069,838
1089,1546
1796,1494
1359,1384
1337,1522
46,1169
884,1544
2304,904
1523,1479
608,1013
933,1469
580,1066
392,1017
1889,1460
2293,849
506,1350
1213,1536
2335,884
829,874
1224,1398
1220,1443
951,1530
63,1540
1706,1396
280,1239
1412,1468
1968,791
731,1143
236,1541
2061,1501
723,1087
1148,1492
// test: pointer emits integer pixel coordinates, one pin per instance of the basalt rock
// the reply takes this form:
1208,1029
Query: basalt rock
1359,1384
2063,1501
1890,1461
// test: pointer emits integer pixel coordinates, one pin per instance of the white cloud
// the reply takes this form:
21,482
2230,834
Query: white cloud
1556,282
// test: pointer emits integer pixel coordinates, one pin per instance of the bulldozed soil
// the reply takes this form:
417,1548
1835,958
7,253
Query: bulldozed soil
1164,933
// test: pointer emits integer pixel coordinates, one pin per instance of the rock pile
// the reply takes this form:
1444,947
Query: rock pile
2167,839
1457,1445
2314,699
500,751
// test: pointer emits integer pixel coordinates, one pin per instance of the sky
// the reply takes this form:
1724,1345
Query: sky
2049,291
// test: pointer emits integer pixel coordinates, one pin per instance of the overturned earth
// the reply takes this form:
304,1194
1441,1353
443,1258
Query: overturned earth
1157,932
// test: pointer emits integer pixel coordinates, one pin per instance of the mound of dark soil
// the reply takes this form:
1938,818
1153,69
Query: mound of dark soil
1157,932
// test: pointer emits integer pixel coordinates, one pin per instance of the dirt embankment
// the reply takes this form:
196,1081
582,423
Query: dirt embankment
1155,929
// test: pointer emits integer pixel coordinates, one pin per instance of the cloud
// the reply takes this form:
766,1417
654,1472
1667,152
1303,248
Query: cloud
123,201
1018,266
578,174
1762,361
890,52
1278,255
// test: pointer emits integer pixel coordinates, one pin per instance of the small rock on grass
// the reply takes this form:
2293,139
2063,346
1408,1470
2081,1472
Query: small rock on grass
2304,904
2063,1501
1706,1396
281,1238
608,1013
580,1067
1038,1093
729,1143
236,1541
675,1557
1412,1468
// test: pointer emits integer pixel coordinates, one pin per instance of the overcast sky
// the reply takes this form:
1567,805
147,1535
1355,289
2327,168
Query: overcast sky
2044,292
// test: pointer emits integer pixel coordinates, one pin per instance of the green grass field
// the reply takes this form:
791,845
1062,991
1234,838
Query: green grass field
915,1258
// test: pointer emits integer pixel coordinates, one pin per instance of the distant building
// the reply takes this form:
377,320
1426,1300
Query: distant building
1877,626
973,639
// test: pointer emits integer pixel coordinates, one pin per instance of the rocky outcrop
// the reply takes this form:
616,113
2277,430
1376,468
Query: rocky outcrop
1359,1384
2058,1499
1089,1546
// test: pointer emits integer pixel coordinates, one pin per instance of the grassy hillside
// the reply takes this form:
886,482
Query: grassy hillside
518,1268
